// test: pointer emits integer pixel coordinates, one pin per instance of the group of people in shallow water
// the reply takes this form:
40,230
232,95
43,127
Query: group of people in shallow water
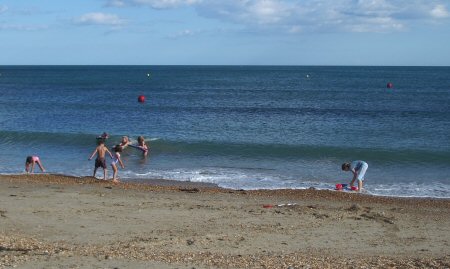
101,150
358,168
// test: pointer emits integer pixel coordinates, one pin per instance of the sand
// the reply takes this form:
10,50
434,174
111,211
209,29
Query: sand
54,221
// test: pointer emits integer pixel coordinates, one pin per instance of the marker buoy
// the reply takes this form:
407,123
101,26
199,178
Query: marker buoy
141,99
390,85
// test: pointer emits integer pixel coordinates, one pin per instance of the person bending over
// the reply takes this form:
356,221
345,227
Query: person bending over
31,161
358,168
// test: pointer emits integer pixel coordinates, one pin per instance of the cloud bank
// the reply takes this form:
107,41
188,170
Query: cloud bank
310,16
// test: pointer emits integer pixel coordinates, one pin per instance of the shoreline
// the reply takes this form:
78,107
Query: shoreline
58,221
141,183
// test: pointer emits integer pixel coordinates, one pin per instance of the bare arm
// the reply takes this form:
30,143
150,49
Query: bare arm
109,152
355,175
93,154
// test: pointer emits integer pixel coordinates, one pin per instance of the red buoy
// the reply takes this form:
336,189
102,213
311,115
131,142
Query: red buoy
141,99
390,85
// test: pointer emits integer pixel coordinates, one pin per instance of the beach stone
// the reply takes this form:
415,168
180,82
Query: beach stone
355,207
190,242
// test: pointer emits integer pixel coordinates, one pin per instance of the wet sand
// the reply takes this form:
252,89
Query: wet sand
54,221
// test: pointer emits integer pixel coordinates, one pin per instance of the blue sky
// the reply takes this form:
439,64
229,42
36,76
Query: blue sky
229,32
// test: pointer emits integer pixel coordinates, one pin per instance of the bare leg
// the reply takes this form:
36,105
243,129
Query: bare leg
104,173
352,182
32,167
95,171
114,173
41,166
360,185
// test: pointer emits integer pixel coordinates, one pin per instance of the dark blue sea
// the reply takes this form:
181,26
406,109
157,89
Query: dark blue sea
242,127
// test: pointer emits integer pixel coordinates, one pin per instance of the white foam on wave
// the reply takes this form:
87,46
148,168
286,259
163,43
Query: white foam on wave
241,179
432,189
228,178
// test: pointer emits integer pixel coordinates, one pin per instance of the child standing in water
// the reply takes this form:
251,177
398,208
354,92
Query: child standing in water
124,142
358,168
101,151
116,159
32,160
142,145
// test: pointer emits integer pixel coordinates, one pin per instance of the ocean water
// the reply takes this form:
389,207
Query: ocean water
242,127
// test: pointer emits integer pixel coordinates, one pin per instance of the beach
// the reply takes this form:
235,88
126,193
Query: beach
56,221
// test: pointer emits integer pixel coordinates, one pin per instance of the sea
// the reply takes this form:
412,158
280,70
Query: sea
240,127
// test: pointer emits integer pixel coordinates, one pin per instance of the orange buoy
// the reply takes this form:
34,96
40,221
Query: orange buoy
141,99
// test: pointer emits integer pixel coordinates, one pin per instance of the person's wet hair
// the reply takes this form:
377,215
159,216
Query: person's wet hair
345,166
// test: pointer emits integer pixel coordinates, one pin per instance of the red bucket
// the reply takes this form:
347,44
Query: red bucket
339,187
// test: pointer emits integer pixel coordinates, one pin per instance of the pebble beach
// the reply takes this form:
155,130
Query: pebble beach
56,221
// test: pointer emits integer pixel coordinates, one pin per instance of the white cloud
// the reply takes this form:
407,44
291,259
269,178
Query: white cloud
116,3
157,4
324,15
298,16
268,11
439,11
376,25
97,18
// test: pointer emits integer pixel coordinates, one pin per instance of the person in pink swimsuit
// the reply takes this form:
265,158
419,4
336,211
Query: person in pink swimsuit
31,161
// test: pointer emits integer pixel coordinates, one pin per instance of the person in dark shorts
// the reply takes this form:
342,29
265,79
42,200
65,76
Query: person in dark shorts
101,151
100,162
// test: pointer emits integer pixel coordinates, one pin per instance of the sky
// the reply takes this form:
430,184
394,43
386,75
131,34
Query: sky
225,32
